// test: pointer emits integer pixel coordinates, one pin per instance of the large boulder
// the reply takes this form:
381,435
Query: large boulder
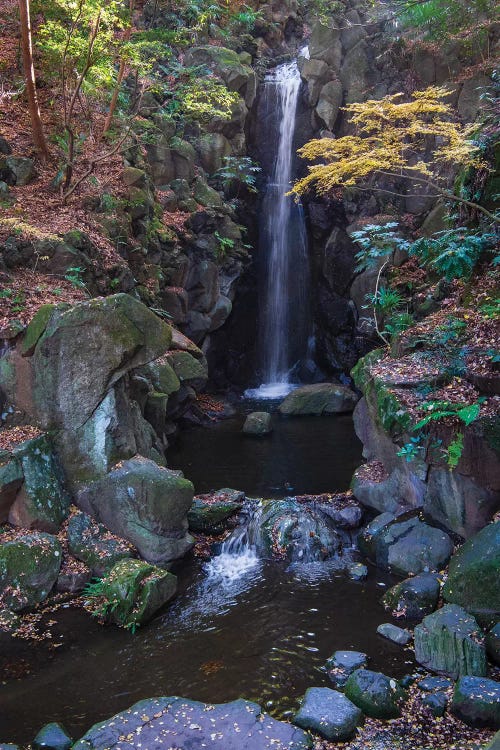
133,591
329,714
377,695
413,598
145,504
165,723
29,566
329,102
473,577
41,502
405,545
450,642
318,399
476,702
93,544
394,493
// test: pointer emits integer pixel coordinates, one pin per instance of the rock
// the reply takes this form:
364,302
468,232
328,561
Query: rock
353,73
9,746
473,575
72,583
405,546
145,504
29,566
476,702
493,644
23,169
205,195
212,148
226,64
318,399
377,695
258,423
431,684
493,744
396,493
325,44
5,147
11,479
189,370
9,623
209,515
179,722
450,642
315,72
93,544
52,737
41,503
357,571
220,312
135,590
329,102
436,703
401,636
342,664
413,598
134,177
329,714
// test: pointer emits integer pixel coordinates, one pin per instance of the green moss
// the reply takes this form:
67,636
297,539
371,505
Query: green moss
491,432
36,329
29,567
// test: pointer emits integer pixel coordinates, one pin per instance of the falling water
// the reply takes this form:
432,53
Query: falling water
284,319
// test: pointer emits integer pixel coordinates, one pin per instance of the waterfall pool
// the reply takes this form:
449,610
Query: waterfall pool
240,626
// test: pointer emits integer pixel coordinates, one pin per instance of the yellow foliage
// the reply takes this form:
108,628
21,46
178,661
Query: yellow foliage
392,137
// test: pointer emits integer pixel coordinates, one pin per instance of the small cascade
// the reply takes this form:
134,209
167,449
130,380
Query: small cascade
284,316
238,554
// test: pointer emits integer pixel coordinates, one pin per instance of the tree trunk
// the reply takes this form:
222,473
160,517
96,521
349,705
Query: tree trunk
29,74
119,79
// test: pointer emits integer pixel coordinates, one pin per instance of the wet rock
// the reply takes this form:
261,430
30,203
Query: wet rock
493,643
413,598
184,723
29,566
473,575
431,684
398,492
318,399
135,590
342,664
436,703
205,195
189,370
377,695
209,513
73,582
258,423
41,502
11,479
450,642
405,546
401,636
329,714
145,504
476,702
93,544
357,571
52,737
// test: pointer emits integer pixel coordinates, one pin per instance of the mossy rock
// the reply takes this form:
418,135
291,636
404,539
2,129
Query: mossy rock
190,371
210,517
29,566
413,598
476,702
93,544
11,479
35,329
377,695
136,590
473,577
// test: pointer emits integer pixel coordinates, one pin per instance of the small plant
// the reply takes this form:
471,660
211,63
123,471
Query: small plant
225,244
239,171
453,253
437,410
75,277
377,241
454,451
412,450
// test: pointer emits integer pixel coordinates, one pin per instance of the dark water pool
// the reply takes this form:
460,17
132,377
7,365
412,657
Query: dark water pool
239,627
303,455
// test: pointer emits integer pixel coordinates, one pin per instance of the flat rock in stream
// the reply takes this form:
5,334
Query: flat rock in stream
318,399
165,723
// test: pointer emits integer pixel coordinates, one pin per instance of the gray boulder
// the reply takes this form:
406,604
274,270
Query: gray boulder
329,714
473,576
413,598
342,664
436,703
401,636
258,423
93,544
179,722
145,504
450,642
52,737
29,566
377,695
209,514
11,479
476,702
329,102
318,399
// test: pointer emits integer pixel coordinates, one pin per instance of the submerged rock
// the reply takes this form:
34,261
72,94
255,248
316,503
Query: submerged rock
413,598
52,737
145,504
29,566
258,423
165,723
379,696
473,577
318,399
134,590
328,713
450,642
342,664
476,702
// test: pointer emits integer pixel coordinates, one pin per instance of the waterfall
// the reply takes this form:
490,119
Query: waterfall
284,315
